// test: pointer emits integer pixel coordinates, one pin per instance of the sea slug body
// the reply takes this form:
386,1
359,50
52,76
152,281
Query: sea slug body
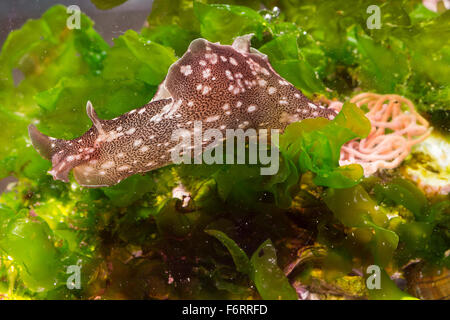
219,85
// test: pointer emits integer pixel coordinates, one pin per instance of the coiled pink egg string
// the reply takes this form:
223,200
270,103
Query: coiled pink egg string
394,131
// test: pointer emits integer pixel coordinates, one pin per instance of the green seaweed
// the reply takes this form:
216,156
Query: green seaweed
134,240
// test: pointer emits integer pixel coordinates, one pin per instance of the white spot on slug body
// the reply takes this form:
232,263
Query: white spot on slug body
130,131
212,57
271,90
243,124
108,164
144,149
229,75
137,142
213,118
206,89
264,70
186,70
206,73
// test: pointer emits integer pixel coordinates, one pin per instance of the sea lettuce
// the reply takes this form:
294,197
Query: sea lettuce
34,59
270,280
239,256
224,22
395,57
132,70
285,56
29,241
135,58
422,226
107,4
354,208
262,268
314,145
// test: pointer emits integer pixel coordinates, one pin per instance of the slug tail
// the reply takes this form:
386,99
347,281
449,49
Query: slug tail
64,154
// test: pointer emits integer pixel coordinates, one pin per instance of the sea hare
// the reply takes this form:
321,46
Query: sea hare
224,87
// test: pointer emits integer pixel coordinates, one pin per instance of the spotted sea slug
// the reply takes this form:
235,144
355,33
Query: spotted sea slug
224,87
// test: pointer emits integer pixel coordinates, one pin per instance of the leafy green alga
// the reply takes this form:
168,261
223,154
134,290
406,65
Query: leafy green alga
315,144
